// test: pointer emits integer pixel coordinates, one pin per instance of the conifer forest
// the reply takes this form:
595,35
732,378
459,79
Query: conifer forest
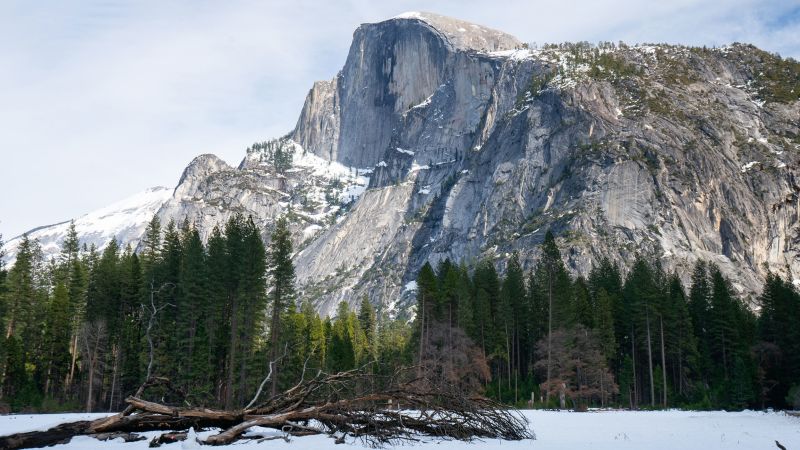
83,331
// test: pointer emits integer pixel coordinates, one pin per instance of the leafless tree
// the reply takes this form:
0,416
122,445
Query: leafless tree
578,367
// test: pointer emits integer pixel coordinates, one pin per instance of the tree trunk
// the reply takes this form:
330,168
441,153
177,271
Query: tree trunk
549,330
114,376
274,338
74,351
635,400
650,359
233,344
421,335
663,360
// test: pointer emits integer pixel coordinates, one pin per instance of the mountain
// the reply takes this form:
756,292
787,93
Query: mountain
445,139
125,220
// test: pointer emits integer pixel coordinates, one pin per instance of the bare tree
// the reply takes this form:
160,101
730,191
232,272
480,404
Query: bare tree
579,369
449,356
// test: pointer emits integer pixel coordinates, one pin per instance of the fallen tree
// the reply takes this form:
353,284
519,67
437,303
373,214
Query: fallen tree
380,409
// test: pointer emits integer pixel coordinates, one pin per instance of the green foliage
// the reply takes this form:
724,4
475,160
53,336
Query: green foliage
278,152
777,79
605,65
221,314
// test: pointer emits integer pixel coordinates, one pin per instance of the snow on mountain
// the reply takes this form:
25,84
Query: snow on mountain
125,220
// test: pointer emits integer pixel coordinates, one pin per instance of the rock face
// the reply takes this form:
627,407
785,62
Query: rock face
478,149
443,139
391,67
313,191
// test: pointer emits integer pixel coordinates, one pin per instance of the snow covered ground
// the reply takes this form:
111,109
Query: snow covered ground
554,430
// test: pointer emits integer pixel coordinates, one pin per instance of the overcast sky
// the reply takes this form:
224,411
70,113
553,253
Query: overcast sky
102,99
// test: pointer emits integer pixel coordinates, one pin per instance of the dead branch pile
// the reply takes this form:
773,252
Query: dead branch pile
358,403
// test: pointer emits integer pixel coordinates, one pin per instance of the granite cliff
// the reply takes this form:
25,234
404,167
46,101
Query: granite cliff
444,139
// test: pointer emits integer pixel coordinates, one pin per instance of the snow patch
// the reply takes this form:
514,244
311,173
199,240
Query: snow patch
749,166
124,220
409,15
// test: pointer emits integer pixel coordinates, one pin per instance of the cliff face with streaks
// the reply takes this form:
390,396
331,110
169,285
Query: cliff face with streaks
477,150
444,139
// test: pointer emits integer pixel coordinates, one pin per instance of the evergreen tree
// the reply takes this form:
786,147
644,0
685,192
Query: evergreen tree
582,303
699,309
512,314
56,352
193,351
281,271
25,294
641,294
427,302
217,318
151,247
367,321
342,349
486,285
681,342
130,341
778,347
554,284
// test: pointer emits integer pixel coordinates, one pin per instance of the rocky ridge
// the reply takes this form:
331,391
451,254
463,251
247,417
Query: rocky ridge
436,143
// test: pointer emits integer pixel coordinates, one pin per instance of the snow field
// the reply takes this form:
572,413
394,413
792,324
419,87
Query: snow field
555,430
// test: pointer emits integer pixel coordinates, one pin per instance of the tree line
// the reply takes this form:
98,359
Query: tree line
546,338
86,329
223,321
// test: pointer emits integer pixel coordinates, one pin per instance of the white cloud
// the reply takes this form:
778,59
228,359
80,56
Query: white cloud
102,98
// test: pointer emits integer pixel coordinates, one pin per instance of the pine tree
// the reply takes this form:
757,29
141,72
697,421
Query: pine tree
131,342
103,329
603,322
151,247
367,321
642,294
681,341
555,285
77,286
513,310
427,301
315,338
778,347
70,250
342,349
281,271
699,308
582,303
217,318
56,356
192,306
25,292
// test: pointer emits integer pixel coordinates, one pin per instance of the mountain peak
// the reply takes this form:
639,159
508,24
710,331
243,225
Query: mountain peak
203,165
461,34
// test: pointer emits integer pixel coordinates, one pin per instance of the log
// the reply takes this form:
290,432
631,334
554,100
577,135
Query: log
127,437
355,403
167,438
60,434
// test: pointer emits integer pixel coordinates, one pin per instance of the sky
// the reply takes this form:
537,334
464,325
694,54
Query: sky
102,99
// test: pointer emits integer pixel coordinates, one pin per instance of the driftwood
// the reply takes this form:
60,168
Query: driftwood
168,438
378,409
